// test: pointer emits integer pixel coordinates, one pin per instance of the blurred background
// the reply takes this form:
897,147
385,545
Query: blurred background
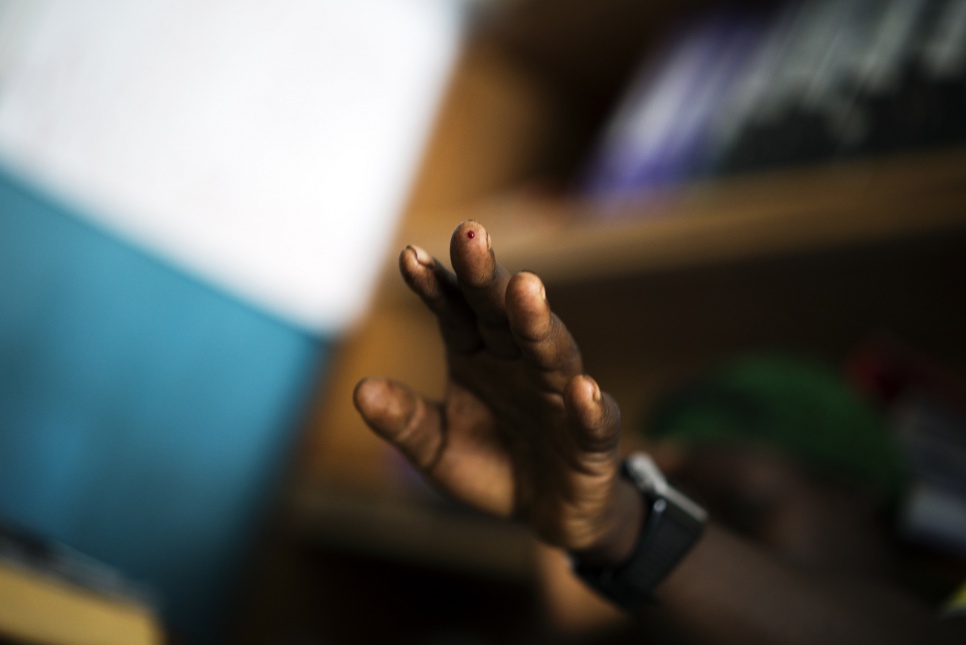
752,216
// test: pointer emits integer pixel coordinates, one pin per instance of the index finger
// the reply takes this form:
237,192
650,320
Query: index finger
439,290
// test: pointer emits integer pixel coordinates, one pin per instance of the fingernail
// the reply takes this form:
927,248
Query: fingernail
596,395
422,256
542,291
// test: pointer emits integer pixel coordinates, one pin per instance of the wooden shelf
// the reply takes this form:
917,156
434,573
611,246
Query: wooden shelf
411,529
732,220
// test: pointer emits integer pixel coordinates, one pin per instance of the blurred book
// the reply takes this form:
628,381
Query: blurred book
808,82
54,595
927,405
933,439
659,134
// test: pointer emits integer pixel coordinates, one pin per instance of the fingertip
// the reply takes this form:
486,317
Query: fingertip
416,256
418,269
597,415
367,394
595,393
527,287
583,392
526,306
384,404
413,260
406,259
471,253
471,232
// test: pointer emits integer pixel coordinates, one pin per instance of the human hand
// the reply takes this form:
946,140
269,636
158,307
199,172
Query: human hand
521,432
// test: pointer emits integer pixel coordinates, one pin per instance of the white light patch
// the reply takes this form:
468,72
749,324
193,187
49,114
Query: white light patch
266,145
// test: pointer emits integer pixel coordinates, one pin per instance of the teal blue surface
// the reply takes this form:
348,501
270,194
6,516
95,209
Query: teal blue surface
144,415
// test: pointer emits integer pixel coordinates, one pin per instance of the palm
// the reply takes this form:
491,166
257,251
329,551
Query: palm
521,432
491,413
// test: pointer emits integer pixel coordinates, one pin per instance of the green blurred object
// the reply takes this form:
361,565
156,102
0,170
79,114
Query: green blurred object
802,409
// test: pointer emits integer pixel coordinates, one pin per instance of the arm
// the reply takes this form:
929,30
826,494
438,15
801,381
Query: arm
523,433
728,590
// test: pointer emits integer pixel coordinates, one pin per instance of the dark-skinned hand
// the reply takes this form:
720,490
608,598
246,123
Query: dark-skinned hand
521,432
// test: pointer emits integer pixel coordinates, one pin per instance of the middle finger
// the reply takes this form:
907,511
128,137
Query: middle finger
483,283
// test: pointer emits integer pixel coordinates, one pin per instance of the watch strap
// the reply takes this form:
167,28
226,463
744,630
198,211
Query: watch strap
671,527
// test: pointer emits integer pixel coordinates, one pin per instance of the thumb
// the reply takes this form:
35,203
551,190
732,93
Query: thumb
405,419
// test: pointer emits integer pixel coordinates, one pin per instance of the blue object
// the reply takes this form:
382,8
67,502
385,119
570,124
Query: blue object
144,416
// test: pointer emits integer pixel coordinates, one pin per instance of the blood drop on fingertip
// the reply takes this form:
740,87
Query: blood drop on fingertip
471,234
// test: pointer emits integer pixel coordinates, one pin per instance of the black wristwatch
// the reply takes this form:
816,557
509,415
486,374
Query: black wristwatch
672,525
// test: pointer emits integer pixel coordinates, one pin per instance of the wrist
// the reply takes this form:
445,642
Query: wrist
667,531
623,522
